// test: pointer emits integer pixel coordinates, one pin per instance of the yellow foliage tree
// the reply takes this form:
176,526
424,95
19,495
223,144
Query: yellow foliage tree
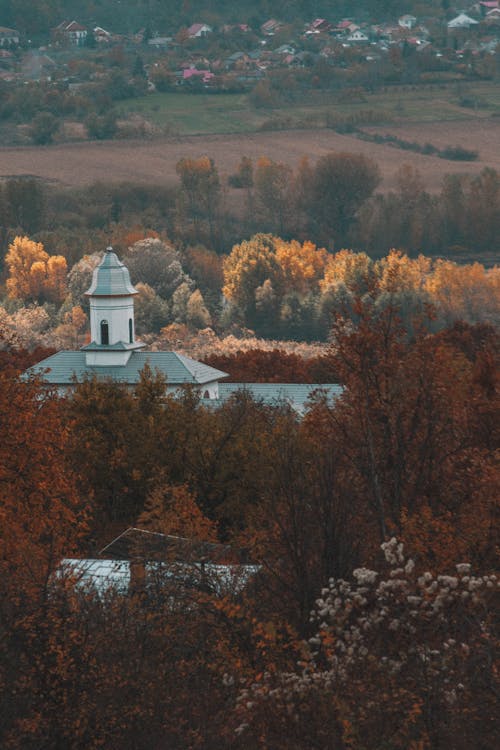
34,275
355,270
302,265
248,266
397,272
470,293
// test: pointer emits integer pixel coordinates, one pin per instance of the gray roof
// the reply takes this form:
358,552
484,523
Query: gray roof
296,394
115,575
63,367
110,278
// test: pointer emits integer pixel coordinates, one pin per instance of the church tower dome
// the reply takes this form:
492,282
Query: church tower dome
112,328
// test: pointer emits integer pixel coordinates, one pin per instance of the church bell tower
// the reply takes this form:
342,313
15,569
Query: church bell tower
112,328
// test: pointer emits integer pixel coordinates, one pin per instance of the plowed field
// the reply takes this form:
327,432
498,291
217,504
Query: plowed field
154,161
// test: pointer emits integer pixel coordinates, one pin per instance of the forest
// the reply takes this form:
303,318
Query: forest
373,521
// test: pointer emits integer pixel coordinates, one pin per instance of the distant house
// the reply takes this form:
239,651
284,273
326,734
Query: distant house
198,30
492,16
269,28
358,37
487,5
8,37
319,26
236,27
160,42
70,32
193,73
407,21
101,35
462,21
6,58
285,49
342,27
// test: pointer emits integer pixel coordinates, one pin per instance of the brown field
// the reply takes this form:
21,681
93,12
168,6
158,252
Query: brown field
154,161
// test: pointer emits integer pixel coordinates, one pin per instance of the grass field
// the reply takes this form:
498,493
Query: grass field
208,114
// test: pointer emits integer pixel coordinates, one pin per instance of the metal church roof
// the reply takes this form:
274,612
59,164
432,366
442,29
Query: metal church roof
295,394
63,367
110,278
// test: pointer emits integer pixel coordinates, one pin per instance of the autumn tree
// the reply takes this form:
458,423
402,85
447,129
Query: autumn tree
26,204
272,192
464,292
156,263
80,278
250,264
302,266
339,185
200,191
173,510
482,210
42,514
260,366
151,312
33,274
405,421
205,268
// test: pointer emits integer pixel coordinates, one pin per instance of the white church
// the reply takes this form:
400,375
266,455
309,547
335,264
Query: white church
115,354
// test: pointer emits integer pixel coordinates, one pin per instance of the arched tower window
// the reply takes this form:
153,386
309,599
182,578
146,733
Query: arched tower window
206,394
104,332
130,331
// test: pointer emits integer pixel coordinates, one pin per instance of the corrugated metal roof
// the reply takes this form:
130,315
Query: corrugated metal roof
296,394
64,366
110,278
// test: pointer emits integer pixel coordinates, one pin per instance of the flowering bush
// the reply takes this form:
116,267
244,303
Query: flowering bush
402,659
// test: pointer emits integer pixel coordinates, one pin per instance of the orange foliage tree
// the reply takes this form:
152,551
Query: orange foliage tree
407,424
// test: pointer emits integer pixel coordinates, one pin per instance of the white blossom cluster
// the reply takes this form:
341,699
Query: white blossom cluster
416,627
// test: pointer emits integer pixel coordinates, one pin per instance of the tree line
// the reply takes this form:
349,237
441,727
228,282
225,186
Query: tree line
275,288
333,203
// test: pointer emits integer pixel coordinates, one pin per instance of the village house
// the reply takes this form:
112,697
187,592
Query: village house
407,21
198,30
8,37
70,33
487,5
271,27
462,21
358,37
319,26
101,35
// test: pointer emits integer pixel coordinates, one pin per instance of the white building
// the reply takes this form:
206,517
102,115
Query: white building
462,21
115,354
